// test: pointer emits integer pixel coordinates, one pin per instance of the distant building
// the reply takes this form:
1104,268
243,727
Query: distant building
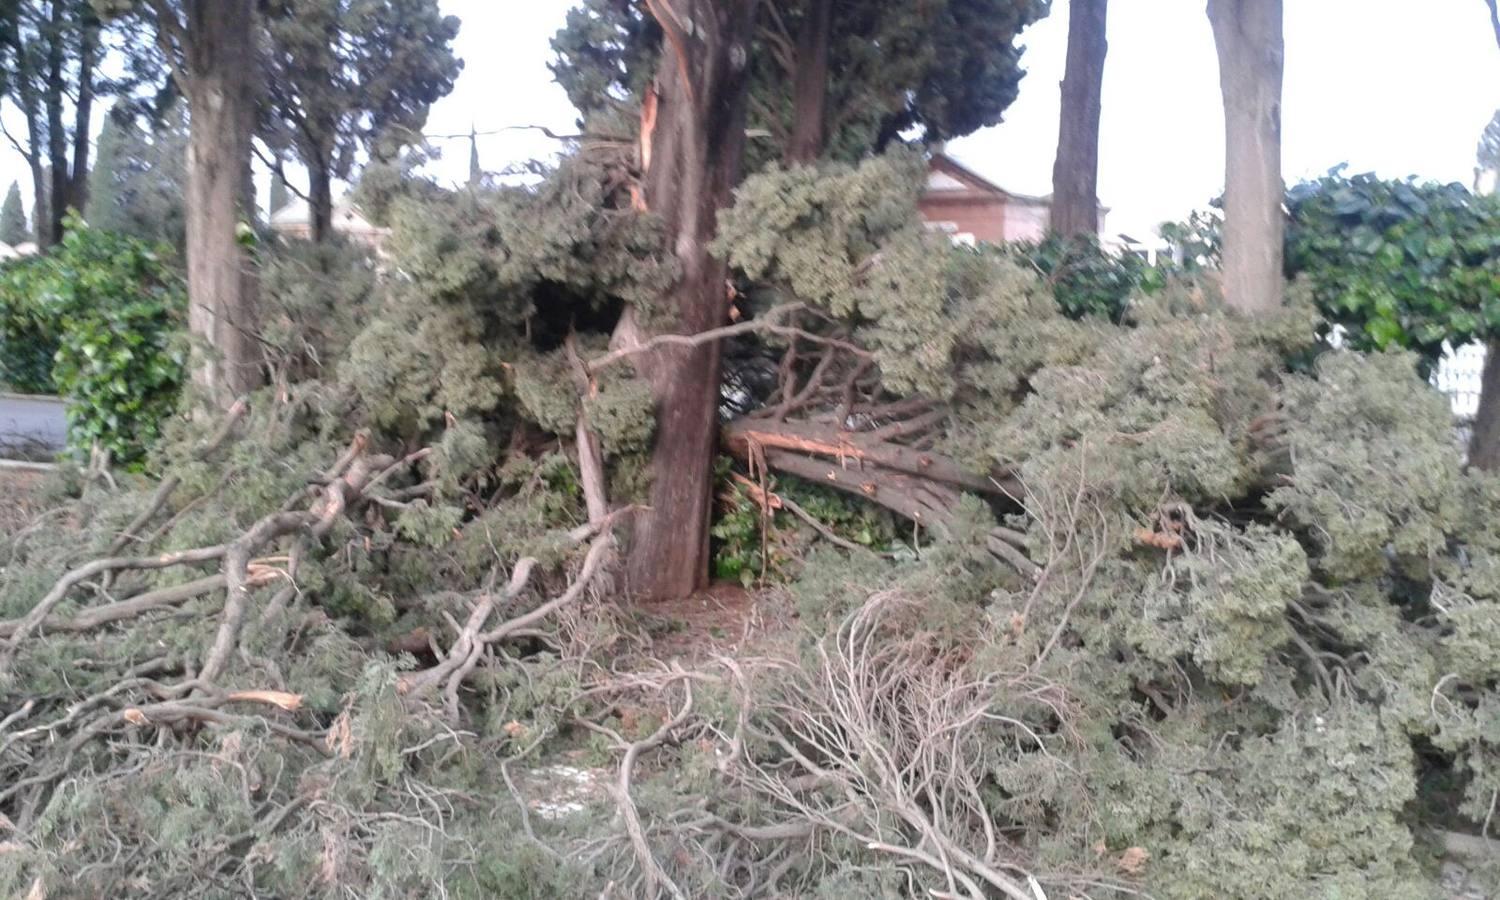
25,248
970,208
295,221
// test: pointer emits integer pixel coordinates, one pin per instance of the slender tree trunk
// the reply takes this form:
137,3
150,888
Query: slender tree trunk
41,191
57,135
221,100
1251,51
320,194
692,145
83,110
1075,174
810,84
1484,441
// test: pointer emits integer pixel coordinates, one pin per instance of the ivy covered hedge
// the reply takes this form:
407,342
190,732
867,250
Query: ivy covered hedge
97,320
1398,263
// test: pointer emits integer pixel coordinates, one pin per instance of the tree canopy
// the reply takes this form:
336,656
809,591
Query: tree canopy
938,70
346,77
55,47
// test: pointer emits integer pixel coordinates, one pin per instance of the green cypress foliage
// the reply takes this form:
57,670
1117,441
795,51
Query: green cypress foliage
13,227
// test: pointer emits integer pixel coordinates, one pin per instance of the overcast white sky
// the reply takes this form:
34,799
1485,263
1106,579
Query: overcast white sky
1396,86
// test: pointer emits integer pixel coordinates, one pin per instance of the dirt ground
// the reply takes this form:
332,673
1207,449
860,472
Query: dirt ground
18,503
722,618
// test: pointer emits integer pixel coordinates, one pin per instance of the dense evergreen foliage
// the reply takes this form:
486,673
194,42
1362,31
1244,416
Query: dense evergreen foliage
13,227
351,78
138,183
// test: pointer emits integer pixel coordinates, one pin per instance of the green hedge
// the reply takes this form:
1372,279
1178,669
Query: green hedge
1398,263
98,320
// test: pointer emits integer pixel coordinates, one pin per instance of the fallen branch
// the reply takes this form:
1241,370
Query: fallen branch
463,654
928,503
238,583
656,876
742,436
94,617
766,323
22,628
169,484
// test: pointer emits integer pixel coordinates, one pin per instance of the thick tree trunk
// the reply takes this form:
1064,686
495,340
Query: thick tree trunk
320,195
1075,174
221,99
1484,442
692,142
810,84
1248,36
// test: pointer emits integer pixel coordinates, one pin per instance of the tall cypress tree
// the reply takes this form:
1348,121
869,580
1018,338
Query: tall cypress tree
13,227
137,183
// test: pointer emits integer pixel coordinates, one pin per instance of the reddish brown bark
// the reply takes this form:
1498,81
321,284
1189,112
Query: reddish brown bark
810,83
691,153
1075,174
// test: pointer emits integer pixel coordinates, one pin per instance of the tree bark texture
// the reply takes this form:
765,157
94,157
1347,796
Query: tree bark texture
1248,35
1075,174
692,143
57,136
810,84
320,205
1484,441
83,112
219,53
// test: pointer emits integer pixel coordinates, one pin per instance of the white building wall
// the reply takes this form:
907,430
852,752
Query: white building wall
1025,221
1458,376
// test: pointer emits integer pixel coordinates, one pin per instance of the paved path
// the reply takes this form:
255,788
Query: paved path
31,424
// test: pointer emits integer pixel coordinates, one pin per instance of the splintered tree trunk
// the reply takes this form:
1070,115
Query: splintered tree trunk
1484,442
1075,174
221,101
810,84
1248,36
692,142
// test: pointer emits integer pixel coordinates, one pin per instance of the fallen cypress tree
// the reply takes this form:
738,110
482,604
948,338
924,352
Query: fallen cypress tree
1188,615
